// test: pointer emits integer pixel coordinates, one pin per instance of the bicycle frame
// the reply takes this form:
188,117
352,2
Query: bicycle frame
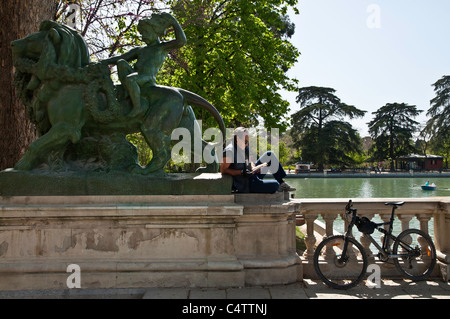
388,238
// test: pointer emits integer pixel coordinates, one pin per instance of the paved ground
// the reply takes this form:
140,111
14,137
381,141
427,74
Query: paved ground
311,289
308,289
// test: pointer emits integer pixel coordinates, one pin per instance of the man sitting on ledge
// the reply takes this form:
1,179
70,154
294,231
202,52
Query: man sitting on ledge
248,176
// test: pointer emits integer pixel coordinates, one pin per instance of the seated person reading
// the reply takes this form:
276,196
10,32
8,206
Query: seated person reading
248,177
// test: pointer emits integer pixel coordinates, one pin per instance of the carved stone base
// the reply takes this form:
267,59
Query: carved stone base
146,241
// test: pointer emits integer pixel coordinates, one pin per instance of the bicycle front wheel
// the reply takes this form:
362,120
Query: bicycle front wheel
415,254
337,270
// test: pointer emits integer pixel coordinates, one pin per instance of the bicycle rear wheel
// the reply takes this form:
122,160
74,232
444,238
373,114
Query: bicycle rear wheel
418,254
336,270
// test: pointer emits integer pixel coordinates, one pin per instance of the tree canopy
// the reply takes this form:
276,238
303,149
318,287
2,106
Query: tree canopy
436,133
392,130
237,56
439,111
319,129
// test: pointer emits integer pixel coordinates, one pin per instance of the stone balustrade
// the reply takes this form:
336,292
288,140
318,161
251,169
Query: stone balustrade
423,209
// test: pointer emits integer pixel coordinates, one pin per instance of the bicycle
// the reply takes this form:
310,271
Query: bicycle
341,261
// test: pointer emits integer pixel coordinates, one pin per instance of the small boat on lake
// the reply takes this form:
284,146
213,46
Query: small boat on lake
428,187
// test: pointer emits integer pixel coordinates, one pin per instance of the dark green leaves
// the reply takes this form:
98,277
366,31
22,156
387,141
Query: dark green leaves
319,130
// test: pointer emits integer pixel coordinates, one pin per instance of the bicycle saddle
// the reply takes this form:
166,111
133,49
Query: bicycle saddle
394,203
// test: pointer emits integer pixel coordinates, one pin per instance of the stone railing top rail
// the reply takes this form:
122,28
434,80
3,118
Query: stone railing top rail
431,205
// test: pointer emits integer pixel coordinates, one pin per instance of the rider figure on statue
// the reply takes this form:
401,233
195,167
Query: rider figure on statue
149,58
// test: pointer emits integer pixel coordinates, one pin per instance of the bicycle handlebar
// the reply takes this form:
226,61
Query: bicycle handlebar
349,205
349,210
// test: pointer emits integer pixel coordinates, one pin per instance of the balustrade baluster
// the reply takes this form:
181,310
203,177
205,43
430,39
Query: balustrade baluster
329,221
405,219
423,220
366,242
329,231
310,239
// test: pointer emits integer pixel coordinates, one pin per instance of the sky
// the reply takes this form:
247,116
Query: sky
372,52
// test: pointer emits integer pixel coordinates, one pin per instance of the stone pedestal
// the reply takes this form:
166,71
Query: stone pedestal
128,241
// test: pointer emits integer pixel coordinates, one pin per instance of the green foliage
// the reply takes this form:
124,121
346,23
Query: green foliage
284,152
440,109
319,130
436,133
289,155
300,240
337,144
145,154
236,57
392,131
441,147
319,105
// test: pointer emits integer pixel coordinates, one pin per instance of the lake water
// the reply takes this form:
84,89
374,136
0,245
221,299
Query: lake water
360,187
367,187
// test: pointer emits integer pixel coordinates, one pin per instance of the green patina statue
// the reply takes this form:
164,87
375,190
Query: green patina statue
83,118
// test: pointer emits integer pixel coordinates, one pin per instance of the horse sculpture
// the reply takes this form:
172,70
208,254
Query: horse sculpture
77,109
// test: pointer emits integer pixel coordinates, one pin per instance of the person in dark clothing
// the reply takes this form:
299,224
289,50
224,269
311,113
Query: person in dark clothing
248,177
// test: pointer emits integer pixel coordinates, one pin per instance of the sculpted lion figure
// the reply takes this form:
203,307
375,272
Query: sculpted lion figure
72,100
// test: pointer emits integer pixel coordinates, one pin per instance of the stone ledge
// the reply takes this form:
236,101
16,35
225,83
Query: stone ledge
118,201
258,198
36,183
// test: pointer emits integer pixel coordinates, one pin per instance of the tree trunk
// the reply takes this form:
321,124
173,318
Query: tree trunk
18,18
